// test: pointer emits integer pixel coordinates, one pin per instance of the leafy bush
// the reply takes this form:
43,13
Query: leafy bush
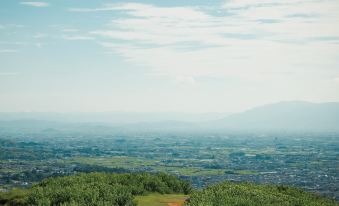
107,189
96,189
246,194
14,197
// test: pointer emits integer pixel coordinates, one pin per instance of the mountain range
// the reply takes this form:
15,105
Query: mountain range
282,116
288,116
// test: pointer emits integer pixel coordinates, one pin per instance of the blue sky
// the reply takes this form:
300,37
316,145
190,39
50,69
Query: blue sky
183,56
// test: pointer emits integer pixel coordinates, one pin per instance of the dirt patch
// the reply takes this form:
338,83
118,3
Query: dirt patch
179,203
175,204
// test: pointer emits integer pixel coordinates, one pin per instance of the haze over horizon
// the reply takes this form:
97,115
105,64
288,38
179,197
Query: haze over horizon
177,102
169,56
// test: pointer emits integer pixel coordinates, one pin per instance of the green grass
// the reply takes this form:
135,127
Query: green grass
160,200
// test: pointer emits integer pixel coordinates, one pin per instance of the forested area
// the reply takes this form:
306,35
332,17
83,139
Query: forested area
95,189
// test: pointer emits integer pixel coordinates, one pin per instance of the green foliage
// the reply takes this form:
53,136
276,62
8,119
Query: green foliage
246,194
109,189
14,197
97,189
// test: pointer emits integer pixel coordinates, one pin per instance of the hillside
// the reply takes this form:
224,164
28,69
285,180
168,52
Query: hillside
95,189
103,189
246,194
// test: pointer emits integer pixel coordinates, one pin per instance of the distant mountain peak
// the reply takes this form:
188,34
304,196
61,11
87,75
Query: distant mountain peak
287,115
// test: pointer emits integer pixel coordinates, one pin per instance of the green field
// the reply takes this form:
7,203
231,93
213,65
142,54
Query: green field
132,163
161,200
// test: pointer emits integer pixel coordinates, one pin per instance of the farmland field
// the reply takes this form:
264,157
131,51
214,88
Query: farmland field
307,161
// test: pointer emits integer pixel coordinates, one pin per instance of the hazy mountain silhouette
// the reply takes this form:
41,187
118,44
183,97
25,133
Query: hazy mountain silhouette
295,116
282,116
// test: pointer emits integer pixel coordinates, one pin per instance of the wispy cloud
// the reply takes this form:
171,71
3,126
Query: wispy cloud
39,45
11,26
186,80
91,9
12,43
69,30
8,51
9,73
35,3
75,38
189,41
40,35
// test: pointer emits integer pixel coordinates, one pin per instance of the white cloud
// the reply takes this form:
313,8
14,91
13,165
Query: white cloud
39,45
186,80
8,51
75,38
35,3
40,36
145,10
89,10
11,26
12,43
190,42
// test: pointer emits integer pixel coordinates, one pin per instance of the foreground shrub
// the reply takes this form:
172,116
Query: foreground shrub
246,194
96,189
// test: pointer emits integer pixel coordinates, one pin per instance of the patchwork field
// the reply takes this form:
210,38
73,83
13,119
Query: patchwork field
305,161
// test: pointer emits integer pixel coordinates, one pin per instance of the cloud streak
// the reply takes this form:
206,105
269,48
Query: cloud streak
248,40
8,51
76,38
35,3
9,73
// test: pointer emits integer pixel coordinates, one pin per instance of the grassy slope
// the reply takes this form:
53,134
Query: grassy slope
161,200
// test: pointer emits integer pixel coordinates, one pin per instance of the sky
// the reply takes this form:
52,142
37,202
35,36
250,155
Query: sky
166,56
